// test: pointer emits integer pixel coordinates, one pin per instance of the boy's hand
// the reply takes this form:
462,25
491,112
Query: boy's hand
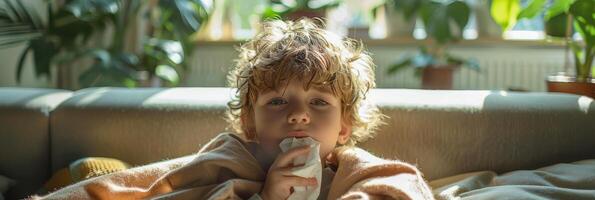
279,178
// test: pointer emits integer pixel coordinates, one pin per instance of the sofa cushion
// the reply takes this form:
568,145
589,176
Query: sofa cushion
24,143
137,126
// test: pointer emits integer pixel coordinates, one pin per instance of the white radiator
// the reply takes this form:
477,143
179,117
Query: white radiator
502,66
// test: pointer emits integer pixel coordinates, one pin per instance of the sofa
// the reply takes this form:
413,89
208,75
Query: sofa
444,133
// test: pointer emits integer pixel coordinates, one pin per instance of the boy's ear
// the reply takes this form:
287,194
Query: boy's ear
344,134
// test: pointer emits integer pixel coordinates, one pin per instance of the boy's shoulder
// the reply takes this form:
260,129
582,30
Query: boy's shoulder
229,136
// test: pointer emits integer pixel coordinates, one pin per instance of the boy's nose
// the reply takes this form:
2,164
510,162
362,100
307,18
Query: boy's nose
299,115
294,119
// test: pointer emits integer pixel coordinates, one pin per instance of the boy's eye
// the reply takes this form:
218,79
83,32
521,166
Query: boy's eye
277,102
319,102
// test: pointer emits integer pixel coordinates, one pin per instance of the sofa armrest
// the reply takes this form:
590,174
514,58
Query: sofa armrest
24,136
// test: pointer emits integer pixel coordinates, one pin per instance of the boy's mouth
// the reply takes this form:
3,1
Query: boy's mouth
297,134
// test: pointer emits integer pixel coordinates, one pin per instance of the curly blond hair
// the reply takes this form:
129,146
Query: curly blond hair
284,50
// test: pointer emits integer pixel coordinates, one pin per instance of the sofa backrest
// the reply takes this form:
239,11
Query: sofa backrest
138,126
443,132
452,132
24,136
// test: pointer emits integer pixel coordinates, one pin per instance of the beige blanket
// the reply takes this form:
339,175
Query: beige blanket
561,181
225,169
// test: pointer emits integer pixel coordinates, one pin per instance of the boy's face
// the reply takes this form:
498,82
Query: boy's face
295,112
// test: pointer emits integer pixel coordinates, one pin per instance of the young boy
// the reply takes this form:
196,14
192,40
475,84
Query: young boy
293,80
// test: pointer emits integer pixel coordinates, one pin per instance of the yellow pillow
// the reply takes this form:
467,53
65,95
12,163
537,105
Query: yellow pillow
82,169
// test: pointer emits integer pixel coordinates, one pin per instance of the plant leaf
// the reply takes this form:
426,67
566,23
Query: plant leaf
473,64
458,12
435,18
558,7
422,60
167,73
165,50
532,9
92,10
454,60
21,62
408,7
505,12
583,12
187,15
130,83
445,21
102,57
18,23
399,65
556,26
43,52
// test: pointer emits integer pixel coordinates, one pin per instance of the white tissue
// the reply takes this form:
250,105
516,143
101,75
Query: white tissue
308,166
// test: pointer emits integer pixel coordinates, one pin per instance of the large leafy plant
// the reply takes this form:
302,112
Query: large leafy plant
561,18
79,29
282,8
444,22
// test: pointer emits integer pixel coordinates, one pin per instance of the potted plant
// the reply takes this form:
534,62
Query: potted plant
76,30
560,18
444,23
294,10
580,13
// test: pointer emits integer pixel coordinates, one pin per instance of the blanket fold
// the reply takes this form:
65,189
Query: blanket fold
225,169
560,181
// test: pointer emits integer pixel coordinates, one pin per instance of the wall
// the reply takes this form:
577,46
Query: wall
503,66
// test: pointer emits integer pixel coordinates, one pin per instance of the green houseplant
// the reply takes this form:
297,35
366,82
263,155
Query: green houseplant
76,31
562,18
294,10
444,22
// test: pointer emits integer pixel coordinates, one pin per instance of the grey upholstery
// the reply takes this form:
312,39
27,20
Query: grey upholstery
24,136
138,126
451,132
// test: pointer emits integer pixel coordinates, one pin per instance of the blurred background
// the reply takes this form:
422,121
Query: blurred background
516,45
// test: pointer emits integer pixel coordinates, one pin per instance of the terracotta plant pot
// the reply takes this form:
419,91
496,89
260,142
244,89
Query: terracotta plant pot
568,84
437,78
